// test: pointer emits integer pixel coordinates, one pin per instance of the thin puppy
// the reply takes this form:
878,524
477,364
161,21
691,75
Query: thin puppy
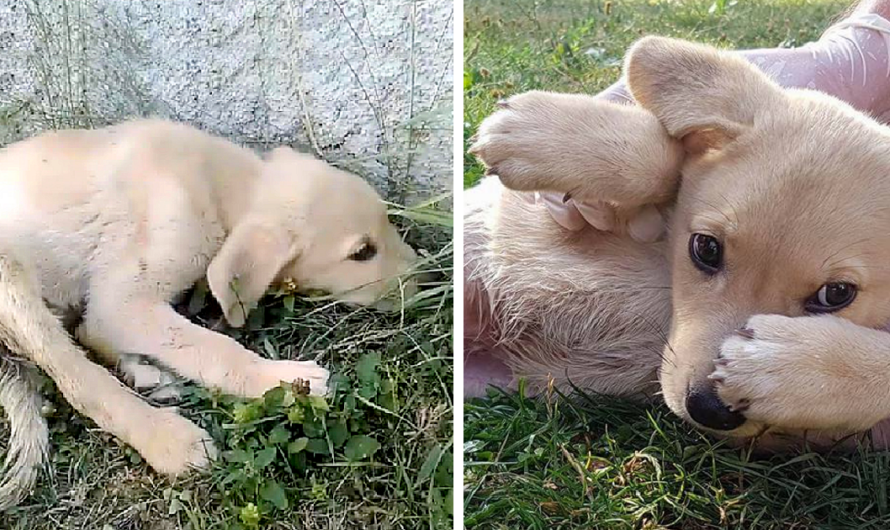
117,222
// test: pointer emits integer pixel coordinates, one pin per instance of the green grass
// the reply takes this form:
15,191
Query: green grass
597,462
593,462
376,453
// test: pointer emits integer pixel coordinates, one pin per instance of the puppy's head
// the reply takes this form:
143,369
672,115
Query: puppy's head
782,209
318,227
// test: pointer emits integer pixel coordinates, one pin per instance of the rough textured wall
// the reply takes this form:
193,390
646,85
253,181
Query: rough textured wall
365,84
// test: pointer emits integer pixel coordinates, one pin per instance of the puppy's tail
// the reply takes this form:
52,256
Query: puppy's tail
29,435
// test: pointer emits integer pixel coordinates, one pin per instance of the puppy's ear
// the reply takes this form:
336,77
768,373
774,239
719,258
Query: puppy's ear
248,262
701,95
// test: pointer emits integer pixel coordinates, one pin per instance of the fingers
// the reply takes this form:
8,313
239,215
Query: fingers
563,213
600,215
575,216
646,225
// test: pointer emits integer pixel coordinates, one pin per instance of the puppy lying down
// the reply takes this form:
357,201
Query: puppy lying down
763,310
114,223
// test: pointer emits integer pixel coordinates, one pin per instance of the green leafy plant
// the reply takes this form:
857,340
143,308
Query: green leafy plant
274,445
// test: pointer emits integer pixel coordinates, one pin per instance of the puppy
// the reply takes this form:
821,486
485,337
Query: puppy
114,223
761,312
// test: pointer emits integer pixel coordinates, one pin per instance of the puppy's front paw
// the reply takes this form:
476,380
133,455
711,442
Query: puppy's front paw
786,372
308,372
592,149
513,143
173,445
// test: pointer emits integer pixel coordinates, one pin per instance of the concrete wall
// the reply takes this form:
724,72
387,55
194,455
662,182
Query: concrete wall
366,84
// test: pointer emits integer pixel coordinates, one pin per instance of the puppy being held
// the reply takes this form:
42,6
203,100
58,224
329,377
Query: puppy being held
765,309
118,222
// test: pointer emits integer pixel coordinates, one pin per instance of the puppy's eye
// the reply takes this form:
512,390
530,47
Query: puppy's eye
831,297
365,252
706,253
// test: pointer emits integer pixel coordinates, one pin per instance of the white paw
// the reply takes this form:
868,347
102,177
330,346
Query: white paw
781,371
173,445
273,373
142,376
161,385
167,393
749,370
513,141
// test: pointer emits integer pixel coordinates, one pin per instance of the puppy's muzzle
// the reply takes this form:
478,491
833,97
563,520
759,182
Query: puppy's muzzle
705,408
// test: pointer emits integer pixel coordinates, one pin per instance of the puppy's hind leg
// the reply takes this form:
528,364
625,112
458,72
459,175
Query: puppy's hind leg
169,443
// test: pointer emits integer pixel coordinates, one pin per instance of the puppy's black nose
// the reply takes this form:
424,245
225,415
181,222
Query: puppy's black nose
705,408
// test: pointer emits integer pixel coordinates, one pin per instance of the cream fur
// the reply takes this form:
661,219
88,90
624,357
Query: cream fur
116,222
793,182
29,438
